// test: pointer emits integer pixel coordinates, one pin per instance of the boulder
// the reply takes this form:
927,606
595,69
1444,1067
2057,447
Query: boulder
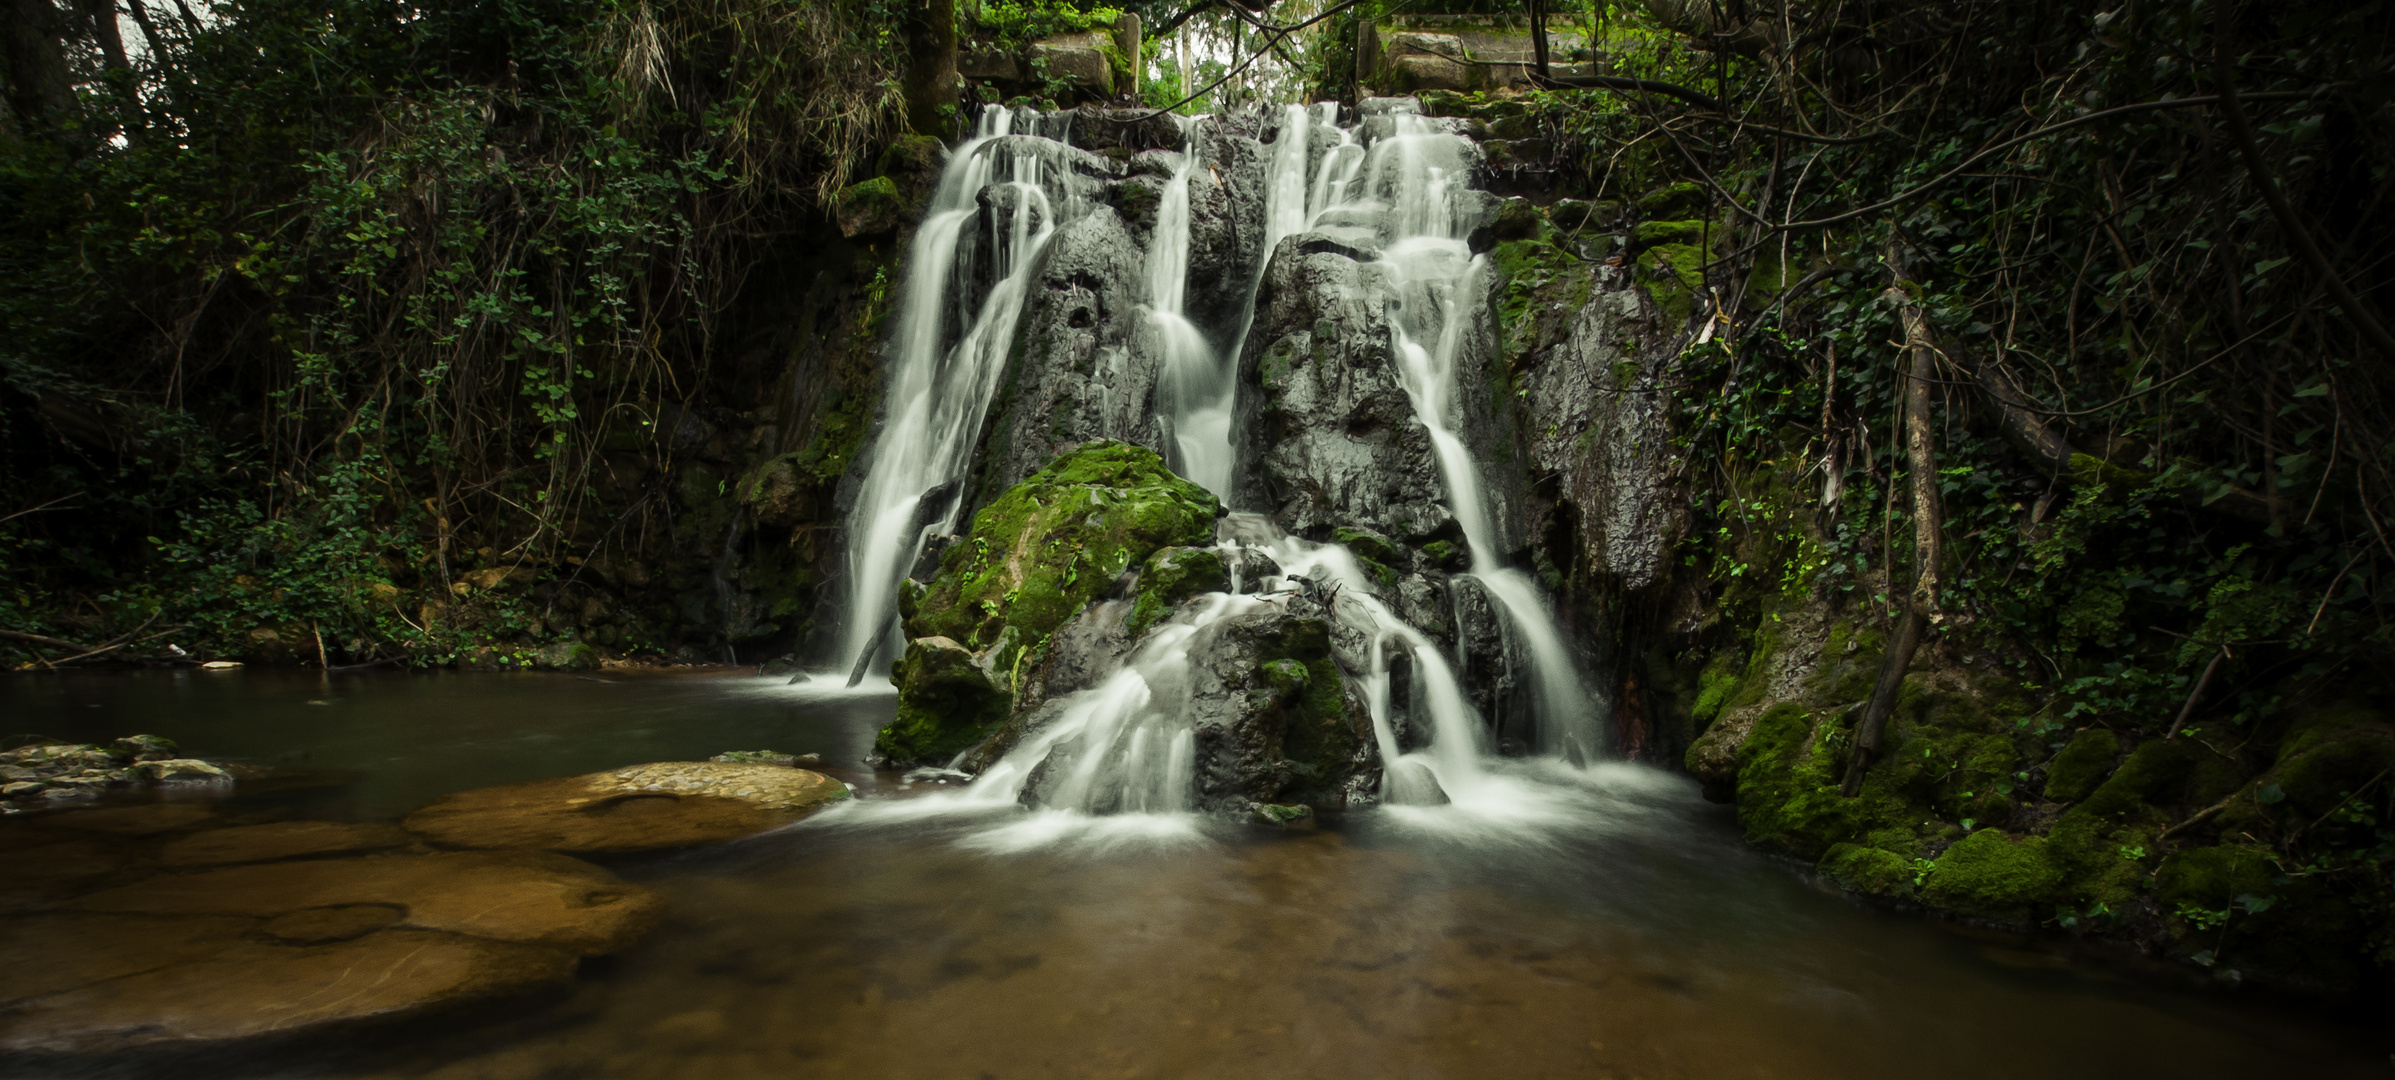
946,703
642,808
522,897
279,840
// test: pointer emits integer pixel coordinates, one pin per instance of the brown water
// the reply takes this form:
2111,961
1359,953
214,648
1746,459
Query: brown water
1605,924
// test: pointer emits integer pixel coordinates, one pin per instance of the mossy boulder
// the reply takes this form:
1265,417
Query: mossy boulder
1053,543
869,207
1991,874
1172,575
1673,200
1868,870
2083,763
946,704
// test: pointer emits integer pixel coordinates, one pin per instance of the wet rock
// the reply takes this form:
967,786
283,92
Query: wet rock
1226,224
47,954
39,877
524,897
765,757
324,925
1598,411
279,840
186,773
250,991
1050,545
641,808
1332,439
946,703
1250,570
567,656
1073,378
1172,575
146,820
1275,722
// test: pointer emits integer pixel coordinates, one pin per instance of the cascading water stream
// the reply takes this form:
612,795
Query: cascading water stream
1417,173
1127,745
939,392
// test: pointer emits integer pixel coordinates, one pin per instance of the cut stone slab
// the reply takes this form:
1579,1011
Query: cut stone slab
148,819
653,807
250,990
525,897
280,840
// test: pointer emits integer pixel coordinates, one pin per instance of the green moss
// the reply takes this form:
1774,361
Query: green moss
1868,870
2082,764
1051,544
2214,877
1541,287
1714,686
2155,770
1989,873
1680,280
1171,575
1673,200
945,705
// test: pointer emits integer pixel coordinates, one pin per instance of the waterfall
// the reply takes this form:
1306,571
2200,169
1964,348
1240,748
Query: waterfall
1128,745
939,392
1418,174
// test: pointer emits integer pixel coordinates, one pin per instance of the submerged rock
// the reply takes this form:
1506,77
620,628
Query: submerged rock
642,808
279,840
200,988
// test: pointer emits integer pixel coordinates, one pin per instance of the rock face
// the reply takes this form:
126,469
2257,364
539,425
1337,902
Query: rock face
1035,558
1071,379
642,808
1331,438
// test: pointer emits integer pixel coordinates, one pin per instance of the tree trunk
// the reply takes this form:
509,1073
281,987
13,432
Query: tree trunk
930,79
104,30
40,93
1921,465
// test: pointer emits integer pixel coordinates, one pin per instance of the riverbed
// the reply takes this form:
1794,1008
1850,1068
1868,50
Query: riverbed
1599,922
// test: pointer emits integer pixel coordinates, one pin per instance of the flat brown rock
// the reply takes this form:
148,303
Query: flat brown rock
279,840
38,877
144,820
250,990
641,808
523,897
47,954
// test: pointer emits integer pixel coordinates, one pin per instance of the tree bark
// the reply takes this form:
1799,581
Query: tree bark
929,82
41,94
104,30
1921,464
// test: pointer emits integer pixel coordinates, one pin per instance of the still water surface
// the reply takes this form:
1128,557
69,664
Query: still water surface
1597,924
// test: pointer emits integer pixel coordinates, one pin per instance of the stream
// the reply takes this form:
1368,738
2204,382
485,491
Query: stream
1599,922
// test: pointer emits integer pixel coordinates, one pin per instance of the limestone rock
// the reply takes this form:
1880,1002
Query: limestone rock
279,840
642,808
516,896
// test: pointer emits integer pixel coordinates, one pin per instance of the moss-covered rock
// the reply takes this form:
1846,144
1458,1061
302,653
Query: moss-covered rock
1174,574
2082,764
870,206
1051,544
1991,874
1673,200
1869,870
946,704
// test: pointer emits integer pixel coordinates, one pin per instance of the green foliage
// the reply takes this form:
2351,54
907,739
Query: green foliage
354,295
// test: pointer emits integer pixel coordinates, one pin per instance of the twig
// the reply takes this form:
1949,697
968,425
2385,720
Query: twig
2188,709
37,639
2332,811
40,508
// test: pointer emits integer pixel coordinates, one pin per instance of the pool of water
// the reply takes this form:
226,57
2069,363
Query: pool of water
1599,923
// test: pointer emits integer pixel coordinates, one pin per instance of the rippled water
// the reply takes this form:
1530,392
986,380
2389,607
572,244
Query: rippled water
1565,924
